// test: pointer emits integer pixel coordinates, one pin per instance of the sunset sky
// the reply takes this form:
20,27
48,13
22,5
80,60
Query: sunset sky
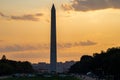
84,27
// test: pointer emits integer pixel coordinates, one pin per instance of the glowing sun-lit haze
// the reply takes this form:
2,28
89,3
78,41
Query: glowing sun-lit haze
83,27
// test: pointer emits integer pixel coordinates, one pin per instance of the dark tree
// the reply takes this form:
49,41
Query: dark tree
8,67
83,66
3,57
102,64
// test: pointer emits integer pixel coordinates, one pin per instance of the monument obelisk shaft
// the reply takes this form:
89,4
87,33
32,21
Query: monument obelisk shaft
53,47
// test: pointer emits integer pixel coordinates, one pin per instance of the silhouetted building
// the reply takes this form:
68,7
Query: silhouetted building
43,67
53,48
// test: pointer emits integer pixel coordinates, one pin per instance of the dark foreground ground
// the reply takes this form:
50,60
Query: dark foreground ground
42,78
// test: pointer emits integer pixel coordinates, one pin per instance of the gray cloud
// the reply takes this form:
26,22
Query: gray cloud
27,17
39,14
65,45
31,55
1,14
18,47
76,44
88,5
66,7
87,43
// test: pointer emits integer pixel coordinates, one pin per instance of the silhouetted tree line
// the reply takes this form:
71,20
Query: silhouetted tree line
101,64
8,67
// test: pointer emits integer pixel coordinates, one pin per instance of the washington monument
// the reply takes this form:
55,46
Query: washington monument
53,43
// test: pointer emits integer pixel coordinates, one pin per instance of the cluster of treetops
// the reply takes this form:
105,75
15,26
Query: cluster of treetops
8,67
103,63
